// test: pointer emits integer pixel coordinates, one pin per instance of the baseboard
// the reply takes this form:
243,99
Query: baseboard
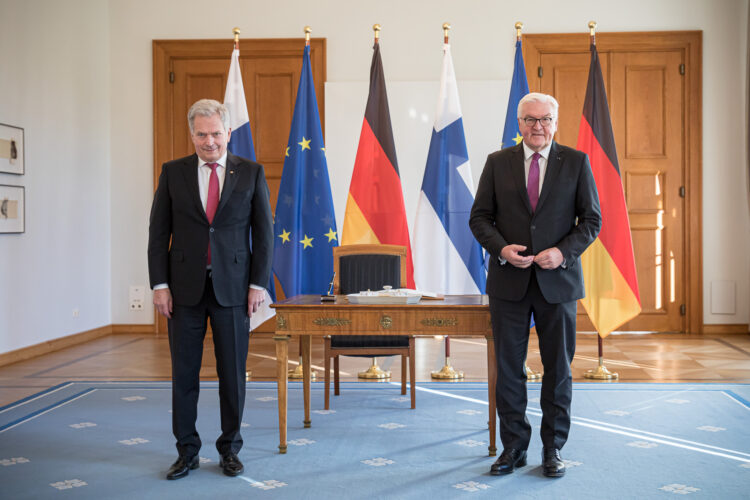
133,328
48,346
738,329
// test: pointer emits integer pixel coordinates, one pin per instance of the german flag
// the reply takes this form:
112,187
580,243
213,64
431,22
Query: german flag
612,296
375,210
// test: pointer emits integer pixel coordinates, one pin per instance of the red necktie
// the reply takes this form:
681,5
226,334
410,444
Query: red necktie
533,185
212,200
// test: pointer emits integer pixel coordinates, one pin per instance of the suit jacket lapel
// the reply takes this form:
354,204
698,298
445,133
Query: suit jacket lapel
230,180
190,172
554,162
518,170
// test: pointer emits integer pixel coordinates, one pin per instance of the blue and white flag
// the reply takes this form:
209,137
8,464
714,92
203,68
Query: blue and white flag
447,258
241,144
305,223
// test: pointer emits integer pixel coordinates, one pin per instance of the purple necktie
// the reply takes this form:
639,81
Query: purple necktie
533,185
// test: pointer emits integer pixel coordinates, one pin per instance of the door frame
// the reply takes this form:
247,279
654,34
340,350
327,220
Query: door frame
691,45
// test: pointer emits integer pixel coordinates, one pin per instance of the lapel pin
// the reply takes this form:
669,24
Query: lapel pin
231,171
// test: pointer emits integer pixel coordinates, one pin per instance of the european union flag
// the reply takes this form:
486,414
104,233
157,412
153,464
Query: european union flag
519,87
305,223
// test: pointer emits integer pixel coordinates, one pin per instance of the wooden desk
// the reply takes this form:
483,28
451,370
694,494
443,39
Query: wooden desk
307,316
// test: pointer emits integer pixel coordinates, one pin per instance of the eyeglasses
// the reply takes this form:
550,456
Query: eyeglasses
546,121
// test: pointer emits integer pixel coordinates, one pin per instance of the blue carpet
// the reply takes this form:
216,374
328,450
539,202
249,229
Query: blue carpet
113,440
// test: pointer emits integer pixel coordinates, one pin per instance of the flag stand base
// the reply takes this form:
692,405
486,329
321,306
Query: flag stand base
601,373
447,372
296,373
374,372
531,374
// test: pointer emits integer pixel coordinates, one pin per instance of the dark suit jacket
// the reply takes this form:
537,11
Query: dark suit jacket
567,216
243,220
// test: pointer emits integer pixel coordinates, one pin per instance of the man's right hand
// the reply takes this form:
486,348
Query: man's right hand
163,302
510,253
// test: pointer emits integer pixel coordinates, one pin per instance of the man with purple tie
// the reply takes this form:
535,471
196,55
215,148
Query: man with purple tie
535,212
209,257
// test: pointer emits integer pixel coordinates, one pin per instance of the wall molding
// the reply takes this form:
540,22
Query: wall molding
49,346
735,329
150,328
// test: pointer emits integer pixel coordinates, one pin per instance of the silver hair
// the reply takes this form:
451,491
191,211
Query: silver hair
208,107
538,97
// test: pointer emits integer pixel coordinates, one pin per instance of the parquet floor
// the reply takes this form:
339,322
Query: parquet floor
637,358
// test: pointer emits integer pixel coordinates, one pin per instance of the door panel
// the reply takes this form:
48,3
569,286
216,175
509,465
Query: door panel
648,104
653,111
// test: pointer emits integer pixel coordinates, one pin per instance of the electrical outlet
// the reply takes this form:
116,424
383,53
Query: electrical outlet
137,297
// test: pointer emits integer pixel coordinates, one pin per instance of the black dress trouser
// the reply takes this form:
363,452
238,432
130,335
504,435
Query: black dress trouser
187,329
556,329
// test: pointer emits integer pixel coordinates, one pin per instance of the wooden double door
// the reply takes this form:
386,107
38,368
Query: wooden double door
188,70
653,83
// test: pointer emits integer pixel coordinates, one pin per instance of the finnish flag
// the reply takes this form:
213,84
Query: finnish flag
447,258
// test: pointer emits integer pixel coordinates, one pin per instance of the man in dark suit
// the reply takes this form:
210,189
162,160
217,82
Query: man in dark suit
215,209
535,212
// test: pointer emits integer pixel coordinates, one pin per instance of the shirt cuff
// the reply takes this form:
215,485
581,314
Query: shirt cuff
161,286
256,287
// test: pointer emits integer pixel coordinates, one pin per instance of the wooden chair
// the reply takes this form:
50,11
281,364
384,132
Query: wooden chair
359,268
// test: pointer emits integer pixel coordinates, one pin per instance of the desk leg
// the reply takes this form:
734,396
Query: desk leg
282,356
491,383
306,375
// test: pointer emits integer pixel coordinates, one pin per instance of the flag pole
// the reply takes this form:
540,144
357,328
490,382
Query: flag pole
236,33
447,372
375,372
601,372
298,373
530,374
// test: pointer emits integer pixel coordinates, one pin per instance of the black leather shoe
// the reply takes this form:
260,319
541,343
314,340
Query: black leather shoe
231,465
509,459
182,466
552,463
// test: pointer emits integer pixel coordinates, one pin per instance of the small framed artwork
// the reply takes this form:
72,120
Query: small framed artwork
12,209
11,149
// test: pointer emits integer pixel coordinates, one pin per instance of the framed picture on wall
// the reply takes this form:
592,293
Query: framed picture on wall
11,150
12,209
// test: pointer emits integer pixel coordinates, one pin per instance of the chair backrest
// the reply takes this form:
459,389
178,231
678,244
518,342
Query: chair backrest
368,267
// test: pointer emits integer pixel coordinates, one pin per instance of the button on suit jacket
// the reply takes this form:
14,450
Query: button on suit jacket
241,234
567,216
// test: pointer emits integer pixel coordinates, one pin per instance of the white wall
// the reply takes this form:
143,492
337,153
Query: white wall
80,82
54,82
482,45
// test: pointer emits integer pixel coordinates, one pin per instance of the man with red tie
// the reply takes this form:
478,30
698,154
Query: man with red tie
214,208
535,212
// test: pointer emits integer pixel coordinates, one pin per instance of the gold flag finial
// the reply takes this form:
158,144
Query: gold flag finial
592,31
376,29
308,30
519,27
446,30
236,32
